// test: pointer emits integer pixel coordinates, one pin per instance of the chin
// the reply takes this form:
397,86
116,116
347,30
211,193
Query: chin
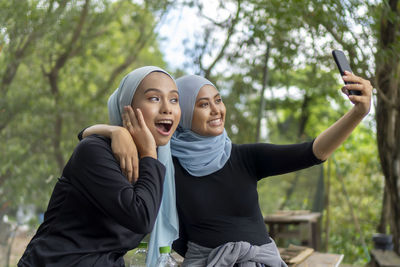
219,131
214,133
162,141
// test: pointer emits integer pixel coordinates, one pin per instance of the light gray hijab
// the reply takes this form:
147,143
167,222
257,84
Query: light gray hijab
199,155
166,229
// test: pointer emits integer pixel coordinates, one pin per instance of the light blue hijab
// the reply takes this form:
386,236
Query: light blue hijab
166,229
198,155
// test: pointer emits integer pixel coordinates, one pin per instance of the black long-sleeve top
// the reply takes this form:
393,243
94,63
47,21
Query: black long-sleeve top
95,215
223,206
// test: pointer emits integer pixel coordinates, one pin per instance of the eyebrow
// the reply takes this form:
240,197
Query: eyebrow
159,91
206,98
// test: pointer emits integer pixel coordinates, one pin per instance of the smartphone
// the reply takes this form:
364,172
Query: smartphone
343,65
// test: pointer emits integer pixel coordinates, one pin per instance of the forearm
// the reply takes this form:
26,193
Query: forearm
330,139
121,139
101,129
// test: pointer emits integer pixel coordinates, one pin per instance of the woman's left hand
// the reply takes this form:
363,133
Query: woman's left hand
362,103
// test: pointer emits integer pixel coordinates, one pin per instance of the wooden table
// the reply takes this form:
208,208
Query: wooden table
318,259
278,226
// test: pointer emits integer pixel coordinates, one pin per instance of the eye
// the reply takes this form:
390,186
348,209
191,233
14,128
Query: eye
204,104
154,98
174,100
218,100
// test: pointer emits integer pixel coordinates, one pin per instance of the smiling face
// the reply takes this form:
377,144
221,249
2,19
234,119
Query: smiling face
209,112
157,98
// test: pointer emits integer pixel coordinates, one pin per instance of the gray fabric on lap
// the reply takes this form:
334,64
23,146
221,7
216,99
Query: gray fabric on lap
241,254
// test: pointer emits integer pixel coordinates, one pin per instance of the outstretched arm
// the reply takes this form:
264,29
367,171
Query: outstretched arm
330,139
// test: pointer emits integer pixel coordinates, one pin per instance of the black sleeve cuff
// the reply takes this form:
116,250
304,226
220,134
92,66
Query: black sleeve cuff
80,134
315,159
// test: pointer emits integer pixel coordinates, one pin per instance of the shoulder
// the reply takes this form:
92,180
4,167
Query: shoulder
245,149
94,140
93,146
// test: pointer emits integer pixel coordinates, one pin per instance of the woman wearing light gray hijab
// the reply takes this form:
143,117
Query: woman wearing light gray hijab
95,214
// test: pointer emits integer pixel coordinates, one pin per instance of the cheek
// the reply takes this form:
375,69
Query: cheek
148,115
203,120
177,112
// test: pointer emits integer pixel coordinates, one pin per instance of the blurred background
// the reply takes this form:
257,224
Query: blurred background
271,60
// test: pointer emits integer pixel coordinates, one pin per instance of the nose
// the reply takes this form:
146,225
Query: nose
213,108
166,107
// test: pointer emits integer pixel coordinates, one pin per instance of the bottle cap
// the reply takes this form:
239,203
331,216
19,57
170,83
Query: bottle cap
142,245
166,249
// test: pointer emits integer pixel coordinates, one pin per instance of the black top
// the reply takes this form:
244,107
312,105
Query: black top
223,206
95,215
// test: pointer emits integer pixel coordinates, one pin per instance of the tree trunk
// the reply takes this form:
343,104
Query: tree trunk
262,98
387,113
384,220
388,128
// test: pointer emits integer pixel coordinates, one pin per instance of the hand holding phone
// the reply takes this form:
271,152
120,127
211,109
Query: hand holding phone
343,65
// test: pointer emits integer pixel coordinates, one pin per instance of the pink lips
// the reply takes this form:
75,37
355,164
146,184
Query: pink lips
162,132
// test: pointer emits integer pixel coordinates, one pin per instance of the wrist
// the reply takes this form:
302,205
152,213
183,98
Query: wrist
117,131
151,154
360,112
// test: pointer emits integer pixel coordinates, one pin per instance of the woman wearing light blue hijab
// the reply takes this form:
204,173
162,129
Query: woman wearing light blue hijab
216,181
221,223
95,214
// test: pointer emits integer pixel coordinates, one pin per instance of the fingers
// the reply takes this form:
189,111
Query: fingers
345,90
355,86
122,165
140,118
357,83
357,98
128,170
135,166
131,116
127,122
129,119
125,119
350,77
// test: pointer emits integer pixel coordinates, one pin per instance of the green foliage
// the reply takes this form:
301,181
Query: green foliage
86,54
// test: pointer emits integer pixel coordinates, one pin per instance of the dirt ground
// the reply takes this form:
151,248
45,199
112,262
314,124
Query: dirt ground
22,239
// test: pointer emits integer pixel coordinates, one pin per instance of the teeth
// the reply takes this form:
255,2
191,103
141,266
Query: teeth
165,121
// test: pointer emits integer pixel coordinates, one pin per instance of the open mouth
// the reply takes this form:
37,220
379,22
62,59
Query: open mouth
164,126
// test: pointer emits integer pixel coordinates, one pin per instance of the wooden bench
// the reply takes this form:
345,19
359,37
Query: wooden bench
384,258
